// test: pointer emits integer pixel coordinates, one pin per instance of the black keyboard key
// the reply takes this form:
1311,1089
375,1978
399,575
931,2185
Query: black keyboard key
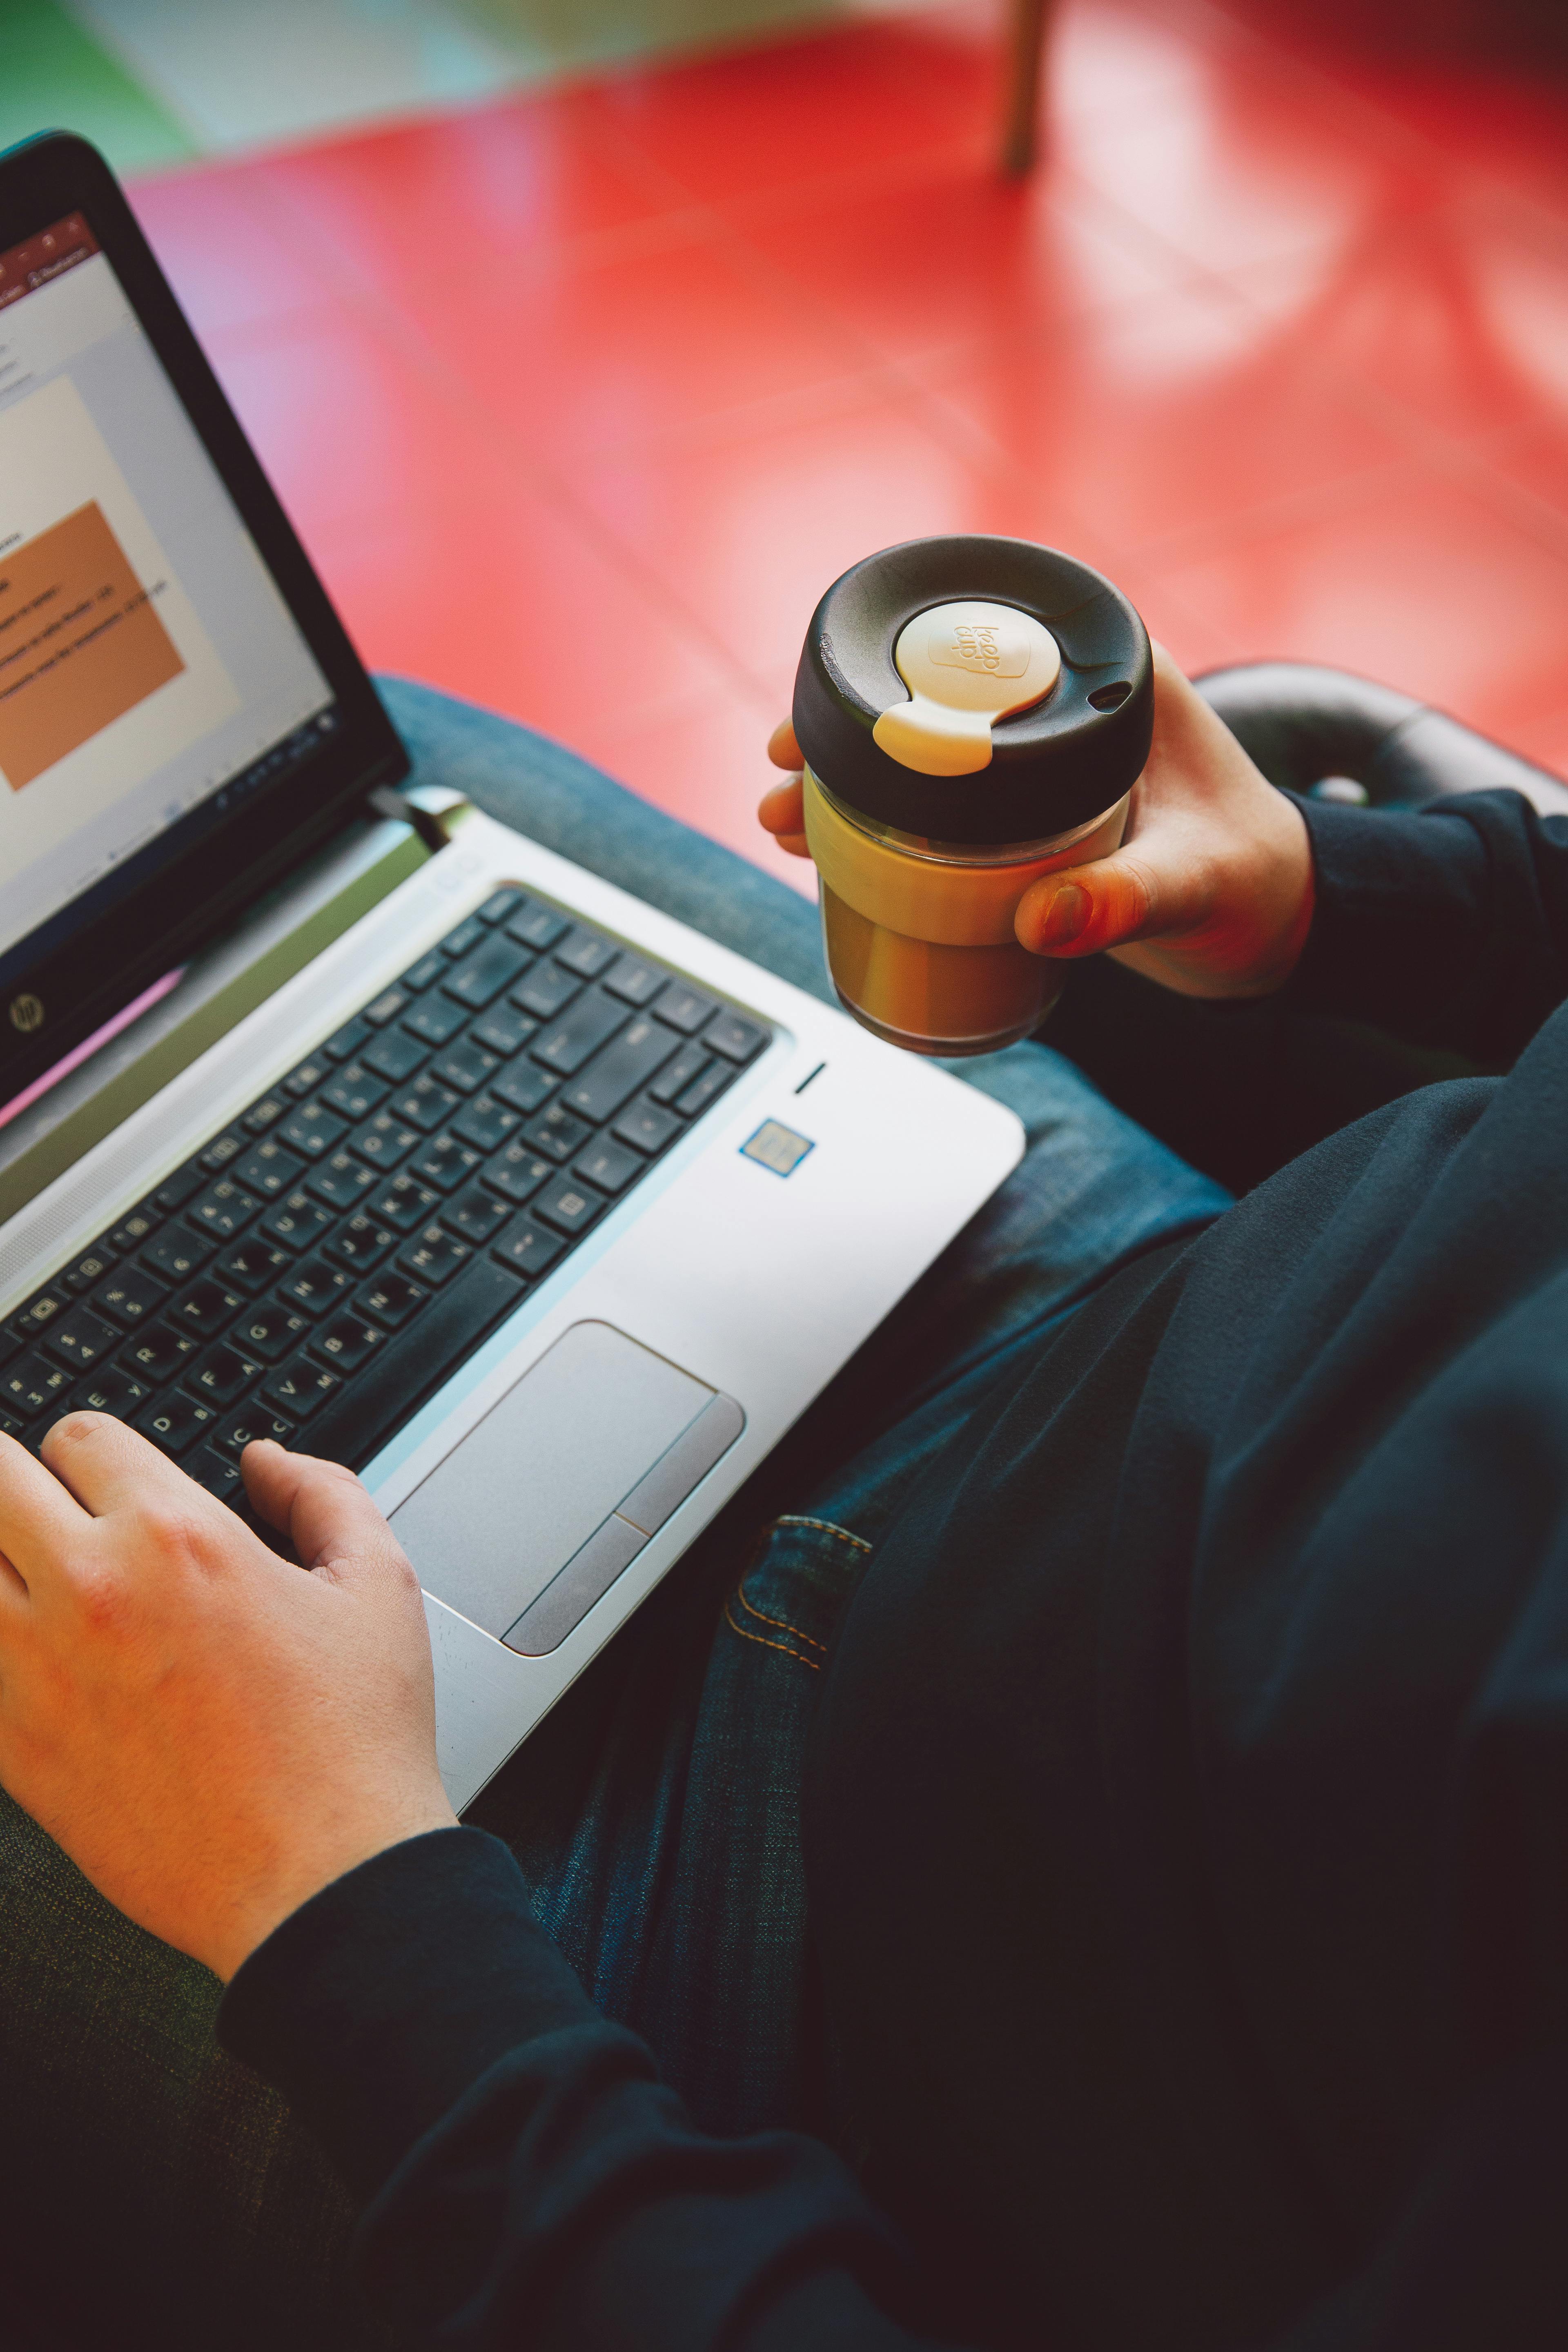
425,1104
403,1204
309,1075
174,1423
254,1421
616,1072
481,977
545,990
268,1170
387,1007
112,1390
465,1065
265,1113
208,1308
436,1020
312,1130
636,982
566,1044
272,1329
298,1220
392,1299
469,934
737,1040
179,1253
503,1030
518,1171
32,1385
395,1055
176,1190
537,926
433,1257
525,1087
682,1007
529,1249
346,1341
224,1209
255,1264
398,1377
39,1313
362,1242
569,1204
645,1126
587,954
159,1354
137,1227
445,1161
341,1181
486,1123
385,1140
677,1075
9,1346
475,1214
216,1473
557,1133
608,1165
89,1268
317,1285
428,968
501,904
298,1388
219,1155
129,1297
224,1374
348,1041
355,1092
704,1089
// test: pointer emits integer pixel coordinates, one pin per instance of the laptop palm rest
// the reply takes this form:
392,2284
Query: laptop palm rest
530,1518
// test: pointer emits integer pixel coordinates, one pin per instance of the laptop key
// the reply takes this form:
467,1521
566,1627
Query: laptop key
444,1161
129,1297
503,1030
677,1075
426,1104
704,1089
224,1375
566,1044
208,1308
570,1207
608,1165
481,977
176,1190
362,1242
587,954
355,1092
137,1228
268,1170
265,1113
307,1076
615,1073
518,1171
525,1087
348,1040
159,1354
529,1249
436,1020
298,1220
312,1130
317,1285
392,1299
179,1253
465,1065
30,1387
634,981
403,1204
433,1257
224,1209
536,926
385,1007
217,1155
39,1313
254,1263
558,1133
89,1268
300,1387
272,1329
501,904
475,1213
346,1341
395,1055
385,1140
736,1039
254,1421
428,968
545,990
486,1123
469,934
112,1390
174,1423
683,1008
341,1180
645,1126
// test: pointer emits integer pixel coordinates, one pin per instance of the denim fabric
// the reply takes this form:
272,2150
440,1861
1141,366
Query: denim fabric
657,1811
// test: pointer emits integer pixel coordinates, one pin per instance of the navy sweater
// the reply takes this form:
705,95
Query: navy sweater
1187,1817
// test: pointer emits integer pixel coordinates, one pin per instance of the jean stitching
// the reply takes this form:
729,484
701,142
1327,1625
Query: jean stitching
762,1643
782,1622
826,1528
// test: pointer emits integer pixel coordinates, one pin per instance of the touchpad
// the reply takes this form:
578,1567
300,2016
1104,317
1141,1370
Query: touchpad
530,1518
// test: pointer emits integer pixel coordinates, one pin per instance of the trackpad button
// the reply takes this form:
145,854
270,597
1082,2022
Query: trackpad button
532,1482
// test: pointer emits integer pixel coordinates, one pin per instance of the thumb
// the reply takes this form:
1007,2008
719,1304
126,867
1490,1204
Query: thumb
1085,908
321,1508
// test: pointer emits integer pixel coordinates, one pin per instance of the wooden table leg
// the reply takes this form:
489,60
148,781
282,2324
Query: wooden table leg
1020,139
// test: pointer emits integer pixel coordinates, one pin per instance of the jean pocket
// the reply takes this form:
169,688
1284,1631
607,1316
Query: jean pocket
792,1595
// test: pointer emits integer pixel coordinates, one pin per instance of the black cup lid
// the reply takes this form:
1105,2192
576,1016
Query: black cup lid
1053,766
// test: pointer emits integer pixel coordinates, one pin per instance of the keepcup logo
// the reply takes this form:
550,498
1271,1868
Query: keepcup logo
26,1012
984,645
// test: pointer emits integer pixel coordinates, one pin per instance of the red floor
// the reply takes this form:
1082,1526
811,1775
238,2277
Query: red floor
580,400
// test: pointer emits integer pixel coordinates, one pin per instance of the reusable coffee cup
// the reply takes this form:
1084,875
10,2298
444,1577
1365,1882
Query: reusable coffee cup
972,713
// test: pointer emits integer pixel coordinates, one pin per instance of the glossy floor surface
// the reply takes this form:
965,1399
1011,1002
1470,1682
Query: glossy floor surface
580,397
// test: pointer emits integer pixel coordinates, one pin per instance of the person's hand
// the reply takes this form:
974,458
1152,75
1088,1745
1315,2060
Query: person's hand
1211,891
212,1734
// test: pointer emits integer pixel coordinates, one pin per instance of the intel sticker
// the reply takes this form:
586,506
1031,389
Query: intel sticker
776,1147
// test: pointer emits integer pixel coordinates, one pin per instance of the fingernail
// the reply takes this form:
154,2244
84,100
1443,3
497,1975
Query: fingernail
1066,916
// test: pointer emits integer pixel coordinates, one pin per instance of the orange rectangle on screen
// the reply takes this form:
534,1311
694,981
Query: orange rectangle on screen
80,643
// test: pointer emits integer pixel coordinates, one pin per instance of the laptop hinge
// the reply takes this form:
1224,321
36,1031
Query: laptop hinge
428,823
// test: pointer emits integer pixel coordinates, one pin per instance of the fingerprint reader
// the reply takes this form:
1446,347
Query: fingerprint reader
777,1147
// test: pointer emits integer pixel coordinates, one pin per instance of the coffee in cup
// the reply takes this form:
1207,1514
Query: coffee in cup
972,713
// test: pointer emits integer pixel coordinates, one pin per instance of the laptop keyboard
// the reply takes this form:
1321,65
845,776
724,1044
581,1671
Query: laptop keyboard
329,1259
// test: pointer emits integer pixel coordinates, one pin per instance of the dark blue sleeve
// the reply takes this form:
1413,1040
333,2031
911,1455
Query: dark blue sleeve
529,2178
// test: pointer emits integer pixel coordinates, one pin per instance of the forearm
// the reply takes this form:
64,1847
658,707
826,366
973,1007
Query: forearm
528,2177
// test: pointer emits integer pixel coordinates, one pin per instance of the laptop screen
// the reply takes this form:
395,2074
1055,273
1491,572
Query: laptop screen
152,676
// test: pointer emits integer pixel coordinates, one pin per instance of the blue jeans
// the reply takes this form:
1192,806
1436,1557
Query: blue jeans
656,1810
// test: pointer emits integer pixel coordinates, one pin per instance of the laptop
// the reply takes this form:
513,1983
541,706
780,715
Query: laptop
361,1122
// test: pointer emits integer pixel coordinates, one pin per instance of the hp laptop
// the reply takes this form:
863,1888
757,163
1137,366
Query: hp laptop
397,1138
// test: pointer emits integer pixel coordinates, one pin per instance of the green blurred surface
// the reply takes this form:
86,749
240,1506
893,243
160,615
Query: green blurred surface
54,78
